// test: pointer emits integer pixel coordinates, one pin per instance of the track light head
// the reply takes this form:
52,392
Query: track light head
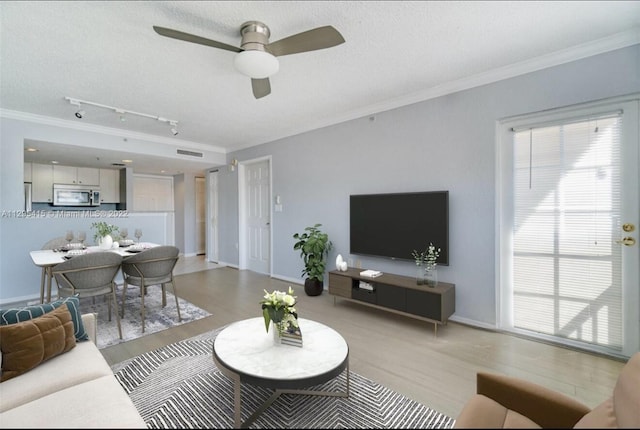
174,128
80,114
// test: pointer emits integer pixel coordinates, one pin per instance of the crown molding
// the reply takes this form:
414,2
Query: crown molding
600,46
110,131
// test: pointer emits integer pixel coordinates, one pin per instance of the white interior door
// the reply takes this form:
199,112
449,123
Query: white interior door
257,182
201,217
212,216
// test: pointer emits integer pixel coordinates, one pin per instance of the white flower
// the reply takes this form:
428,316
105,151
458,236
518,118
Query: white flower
427,257
278,306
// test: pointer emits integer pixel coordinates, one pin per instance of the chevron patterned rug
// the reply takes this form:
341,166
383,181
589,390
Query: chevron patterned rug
179,386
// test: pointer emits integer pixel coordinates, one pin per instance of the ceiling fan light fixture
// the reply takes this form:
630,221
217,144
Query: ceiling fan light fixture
256,64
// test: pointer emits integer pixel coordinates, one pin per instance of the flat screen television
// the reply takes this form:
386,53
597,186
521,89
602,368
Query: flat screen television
392,225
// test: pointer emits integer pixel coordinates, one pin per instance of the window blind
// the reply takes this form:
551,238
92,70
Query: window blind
566,265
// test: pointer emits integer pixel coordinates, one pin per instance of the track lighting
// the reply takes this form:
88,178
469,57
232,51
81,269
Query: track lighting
121,112
174,128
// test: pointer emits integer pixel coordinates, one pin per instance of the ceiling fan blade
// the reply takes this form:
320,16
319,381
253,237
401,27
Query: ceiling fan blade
175,34
261,87
318,38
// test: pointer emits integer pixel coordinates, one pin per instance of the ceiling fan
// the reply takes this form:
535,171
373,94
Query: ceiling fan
256,57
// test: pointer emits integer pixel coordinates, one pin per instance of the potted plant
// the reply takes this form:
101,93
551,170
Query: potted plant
102,235
426,264
314,247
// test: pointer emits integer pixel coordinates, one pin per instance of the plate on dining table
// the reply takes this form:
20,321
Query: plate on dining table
66,248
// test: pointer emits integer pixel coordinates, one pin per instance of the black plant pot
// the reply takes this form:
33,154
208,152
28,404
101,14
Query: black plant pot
313,287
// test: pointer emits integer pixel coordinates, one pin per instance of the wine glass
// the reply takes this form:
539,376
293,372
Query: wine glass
124,233
82,236
69,237
138,234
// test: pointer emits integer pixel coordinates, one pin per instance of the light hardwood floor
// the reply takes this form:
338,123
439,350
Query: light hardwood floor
398,352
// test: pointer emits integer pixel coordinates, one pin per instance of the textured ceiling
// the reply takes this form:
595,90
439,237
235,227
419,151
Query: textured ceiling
395,53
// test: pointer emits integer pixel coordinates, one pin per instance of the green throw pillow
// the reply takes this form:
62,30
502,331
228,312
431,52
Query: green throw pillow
16,315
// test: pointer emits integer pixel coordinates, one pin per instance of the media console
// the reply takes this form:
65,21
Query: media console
396,293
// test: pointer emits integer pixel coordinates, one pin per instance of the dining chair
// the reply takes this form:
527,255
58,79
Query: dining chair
90,275
56,242
153,266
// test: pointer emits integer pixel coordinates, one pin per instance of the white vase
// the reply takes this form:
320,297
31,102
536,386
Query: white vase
276,333
431,275
105,242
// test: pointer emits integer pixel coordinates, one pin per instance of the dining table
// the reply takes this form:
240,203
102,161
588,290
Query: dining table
47,259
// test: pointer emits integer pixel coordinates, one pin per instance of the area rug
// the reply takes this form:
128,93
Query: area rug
157,318
179,386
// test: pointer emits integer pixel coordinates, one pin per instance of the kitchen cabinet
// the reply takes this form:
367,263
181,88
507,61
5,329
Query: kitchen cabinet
42,183
76,175
109,186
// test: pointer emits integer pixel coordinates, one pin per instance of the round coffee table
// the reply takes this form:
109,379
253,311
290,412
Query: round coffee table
246,353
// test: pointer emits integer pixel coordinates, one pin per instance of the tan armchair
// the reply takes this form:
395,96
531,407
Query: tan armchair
507,402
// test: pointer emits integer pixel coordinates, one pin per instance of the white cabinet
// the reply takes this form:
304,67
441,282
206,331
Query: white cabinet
88,176
76,175
42,183
109,186
27,172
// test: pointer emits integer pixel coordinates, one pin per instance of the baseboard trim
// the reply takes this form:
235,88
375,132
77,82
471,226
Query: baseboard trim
473,323
224,263
288,279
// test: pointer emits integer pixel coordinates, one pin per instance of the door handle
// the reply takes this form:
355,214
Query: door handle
627,241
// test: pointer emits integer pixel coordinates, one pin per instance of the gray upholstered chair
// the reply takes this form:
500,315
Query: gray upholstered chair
56,242
153,266
90,275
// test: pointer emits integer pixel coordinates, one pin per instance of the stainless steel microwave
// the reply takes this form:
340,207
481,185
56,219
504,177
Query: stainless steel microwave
76,195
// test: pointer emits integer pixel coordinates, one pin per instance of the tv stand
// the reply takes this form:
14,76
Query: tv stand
396,293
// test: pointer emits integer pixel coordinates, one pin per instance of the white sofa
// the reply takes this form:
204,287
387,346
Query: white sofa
74,390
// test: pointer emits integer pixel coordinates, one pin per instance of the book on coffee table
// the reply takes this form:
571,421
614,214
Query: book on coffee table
292,336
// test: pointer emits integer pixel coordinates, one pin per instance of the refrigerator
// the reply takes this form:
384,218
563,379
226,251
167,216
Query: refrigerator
27,196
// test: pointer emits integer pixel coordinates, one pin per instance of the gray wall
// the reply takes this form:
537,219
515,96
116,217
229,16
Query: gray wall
184,190
444,143
447,143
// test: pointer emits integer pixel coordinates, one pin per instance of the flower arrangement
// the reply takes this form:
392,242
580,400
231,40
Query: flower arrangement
427,257
278,307
102,229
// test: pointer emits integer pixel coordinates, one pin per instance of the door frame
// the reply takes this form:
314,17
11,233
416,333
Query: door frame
242,212
631,324
211,191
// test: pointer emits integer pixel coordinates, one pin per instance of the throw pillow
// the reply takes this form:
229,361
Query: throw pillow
25,345
16,315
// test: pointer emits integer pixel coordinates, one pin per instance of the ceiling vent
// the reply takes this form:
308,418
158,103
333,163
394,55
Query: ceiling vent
190,153
118,164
